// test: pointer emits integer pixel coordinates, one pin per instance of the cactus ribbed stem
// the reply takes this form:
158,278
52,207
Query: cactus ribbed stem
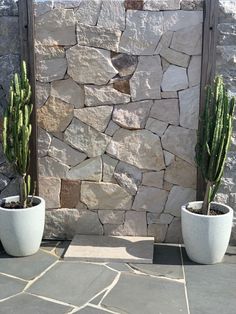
214,138
17,131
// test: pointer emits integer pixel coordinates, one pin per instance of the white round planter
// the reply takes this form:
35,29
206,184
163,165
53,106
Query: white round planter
206,237
21,230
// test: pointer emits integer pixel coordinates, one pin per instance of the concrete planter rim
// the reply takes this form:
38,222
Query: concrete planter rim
220,205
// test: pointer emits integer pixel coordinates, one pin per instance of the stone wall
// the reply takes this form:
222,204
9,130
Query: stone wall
9,64
118,98
226,66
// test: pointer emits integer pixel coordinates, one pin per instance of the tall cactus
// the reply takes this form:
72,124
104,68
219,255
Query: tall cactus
214,138
17,131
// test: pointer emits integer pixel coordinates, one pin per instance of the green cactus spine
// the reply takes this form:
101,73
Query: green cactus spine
17,131
214,138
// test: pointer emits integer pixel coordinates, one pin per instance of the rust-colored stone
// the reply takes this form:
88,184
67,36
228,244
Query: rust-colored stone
122,86
70,194
134,4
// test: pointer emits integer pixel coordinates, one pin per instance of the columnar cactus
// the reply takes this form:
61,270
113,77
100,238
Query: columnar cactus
214,138
17,130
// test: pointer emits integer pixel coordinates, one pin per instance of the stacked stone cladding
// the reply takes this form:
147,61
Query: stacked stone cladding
117,105
9,63
226,66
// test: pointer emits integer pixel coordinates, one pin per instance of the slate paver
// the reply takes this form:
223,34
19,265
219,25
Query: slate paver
230,256
49,245
29,304
166,262
92,310
211,288
27,267
73,282
97,300
10,286
139,294
121,267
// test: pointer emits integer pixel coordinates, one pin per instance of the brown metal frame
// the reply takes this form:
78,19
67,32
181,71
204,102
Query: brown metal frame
26,30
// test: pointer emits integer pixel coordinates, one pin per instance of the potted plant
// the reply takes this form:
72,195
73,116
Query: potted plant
22,217
206,225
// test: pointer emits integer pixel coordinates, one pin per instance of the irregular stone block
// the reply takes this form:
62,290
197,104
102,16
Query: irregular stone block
112,15
142,33
122,86
146,81
166,218
179,196
65,153
9,65
109,165
67,4
158,231
105,196
64,223
129,177
68,91
9,35
49,167
175,57
188,40
164,42
176,20
8,8
156,126
42,7
56,27
51,70
114,230
181,173
191,5
86,139
90,169
174,233
169,158
135,223
111,216
70,194
55,115
153,218
180,142
96,117
44,142
125,64
88,12
42,93
93,66
174,79
166,110
153,5
194,71
134,4
150,199
169,95
3,181
189,107
227,34
105,95
125,145
154,179
49,189
47,52
11,189
99,37
112,128
133,115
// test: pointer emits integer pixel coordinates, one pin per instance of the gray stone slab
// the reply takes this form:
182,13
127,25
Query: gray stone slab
230,255
28,304
73,282
62,248
49,245
111,249
98,299
121,267
166,262
26,267
211,288
92,310
138,294
10,286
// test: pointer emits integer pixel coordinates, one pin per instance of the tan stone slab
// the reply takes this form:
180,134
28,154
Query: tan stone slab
111,249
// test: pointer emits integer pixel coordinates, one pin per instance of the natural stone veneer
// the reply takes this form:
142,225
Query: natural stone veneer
117,98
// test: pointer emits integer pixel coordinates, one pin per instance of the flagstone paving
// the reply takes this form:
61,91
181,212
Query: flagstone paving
47,284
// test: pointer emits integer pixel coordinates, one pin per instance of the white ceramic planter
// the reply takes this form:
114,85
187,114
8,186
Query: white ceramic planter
21,230
206,237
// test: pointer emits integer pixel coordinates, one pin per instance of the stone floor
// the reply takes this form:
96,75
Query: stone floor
45,284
